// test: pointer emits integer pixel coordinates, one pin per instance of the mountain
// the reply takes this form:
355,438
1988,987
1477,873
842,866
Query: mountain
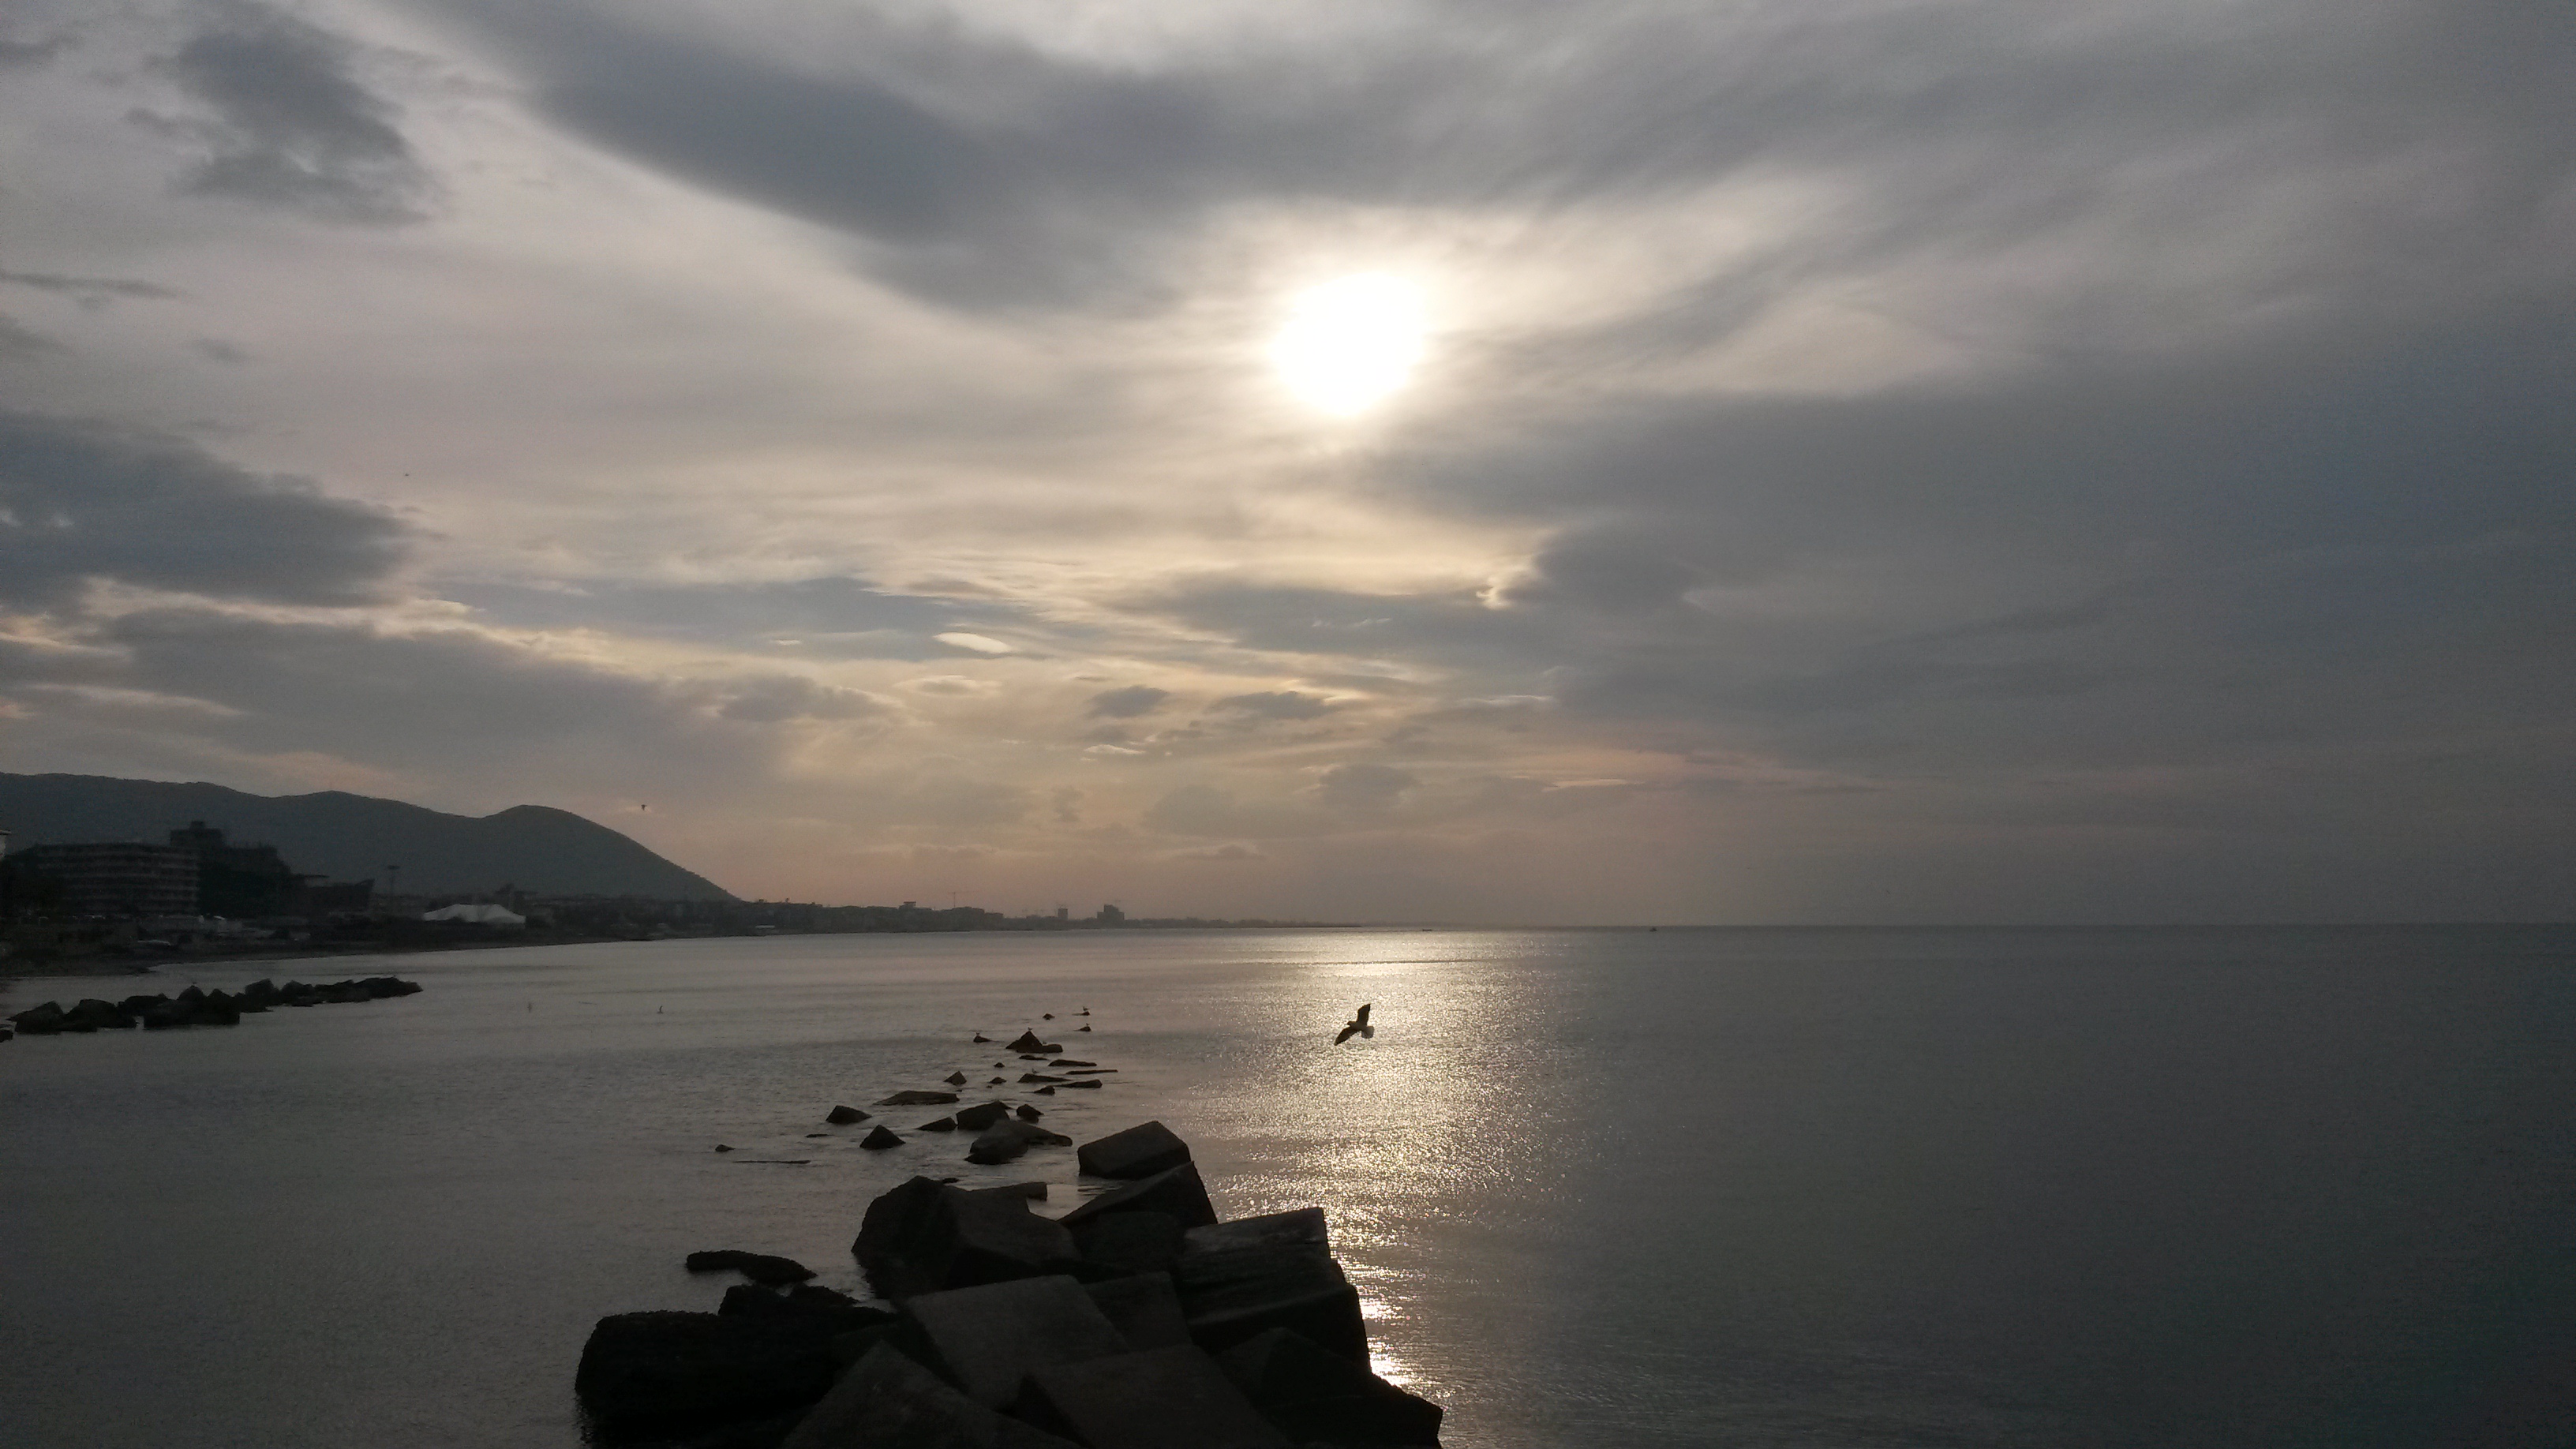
352,837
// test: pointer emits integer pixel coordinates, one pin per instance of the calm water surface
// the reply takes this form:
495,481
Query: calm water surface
1816,1188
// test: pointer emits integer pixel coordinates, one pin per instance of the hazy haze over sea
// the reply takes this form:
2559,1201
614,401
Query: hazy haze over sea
1763,1187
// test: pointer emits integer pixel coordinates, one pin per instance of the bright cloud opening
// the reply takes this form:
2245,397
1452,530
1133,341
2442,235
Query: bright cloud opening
1351,343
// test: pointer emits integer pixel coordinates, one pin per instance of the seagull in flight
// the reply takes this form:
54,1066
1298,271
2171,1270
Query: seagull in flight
1357,1026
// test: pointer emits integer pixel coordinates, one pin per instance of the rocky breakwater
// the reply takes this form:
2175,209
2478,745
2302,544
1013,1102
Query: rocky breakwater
1139,1320
199,1007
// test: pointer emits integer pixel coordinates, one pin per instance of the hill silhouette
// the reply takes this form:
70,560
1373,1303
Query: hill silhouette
353,837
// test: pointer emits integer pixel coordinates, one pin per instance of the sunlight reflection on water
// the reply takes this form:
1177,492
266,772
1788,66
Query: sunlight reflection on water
1822,1188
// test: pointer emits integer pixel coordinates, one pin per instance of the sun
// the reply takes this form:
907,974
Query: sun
1350,343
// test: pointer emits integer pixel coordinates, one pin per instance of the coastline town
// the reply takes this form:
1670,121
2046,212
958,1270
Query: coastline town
124,904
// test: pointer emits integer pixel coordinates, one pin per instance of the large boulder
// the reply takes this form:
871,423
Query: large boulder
758,1267
1029,1043
819,1311
42,1020
1132,1242
1238,1280
1006,1140
888,1400
844,1116
1177,1191
987,1339
1156,1398
669,1373
925,1236
1143,1307
1314,1394
879,1139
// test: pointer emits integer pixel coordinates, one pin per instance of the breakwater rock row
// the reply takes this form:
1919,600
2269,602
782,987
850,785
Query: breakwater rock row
199,1007
1137,1321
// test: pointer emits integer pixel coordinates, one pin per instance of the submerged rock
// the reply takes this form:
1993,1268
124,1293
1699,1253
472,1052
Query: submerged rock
944,1124
880,1139
844,1116
1007,1140
919,1099
976,1119
758,1267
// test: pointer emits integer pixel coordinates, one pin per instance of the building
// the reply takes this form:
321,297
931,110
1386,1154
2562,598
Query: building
118,878
241,881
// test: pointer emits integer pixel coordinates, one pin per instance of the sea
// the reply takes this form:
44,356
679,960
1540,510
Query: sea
1744,1187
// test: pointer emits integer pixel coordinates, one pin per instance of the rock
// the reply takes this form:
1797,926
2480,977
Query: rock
137,1005
758,1267
1240,1279
1085,1082
979,1036
261,990
879,1139
1313,1394
998,1082
765,1432
42,1020
721,1147
1091,1071
1140,1151
1156,1398
844,1116
887,1399
1028,1042
1046,1016
924,1237
1070,1062
986,1339
1029,1191
1130,1242
818,1311
1043,1092
976,1119
1086,1026
92,1014
817,1134
1006,1140
1143,1307
944,1124
955,1079
1176,1191
1027,1113
918,1099
1033,1056
1027,1077
682,1372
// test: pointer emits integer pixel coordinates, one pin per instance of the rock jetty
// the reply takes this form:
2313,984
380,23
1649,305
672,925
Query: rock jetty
199,1007
1137,1321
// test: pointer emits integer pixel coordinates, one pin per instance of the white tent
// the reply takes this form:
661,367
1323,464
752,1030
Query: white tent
485,915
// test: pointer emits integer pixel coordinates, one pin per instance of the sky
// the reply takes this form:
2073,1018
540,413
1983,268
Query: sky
1751,461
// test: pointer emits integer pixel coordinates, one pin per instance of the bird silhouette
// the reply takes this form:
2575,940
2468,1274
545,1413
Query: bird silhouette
1357,1026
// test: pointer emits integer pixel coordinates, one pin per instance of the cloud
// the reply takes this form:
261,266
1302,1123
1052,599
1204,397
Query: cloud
1279,704
83,501
1233,852
89,291
292,126
1127,702
1362,788
974,643
780,697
